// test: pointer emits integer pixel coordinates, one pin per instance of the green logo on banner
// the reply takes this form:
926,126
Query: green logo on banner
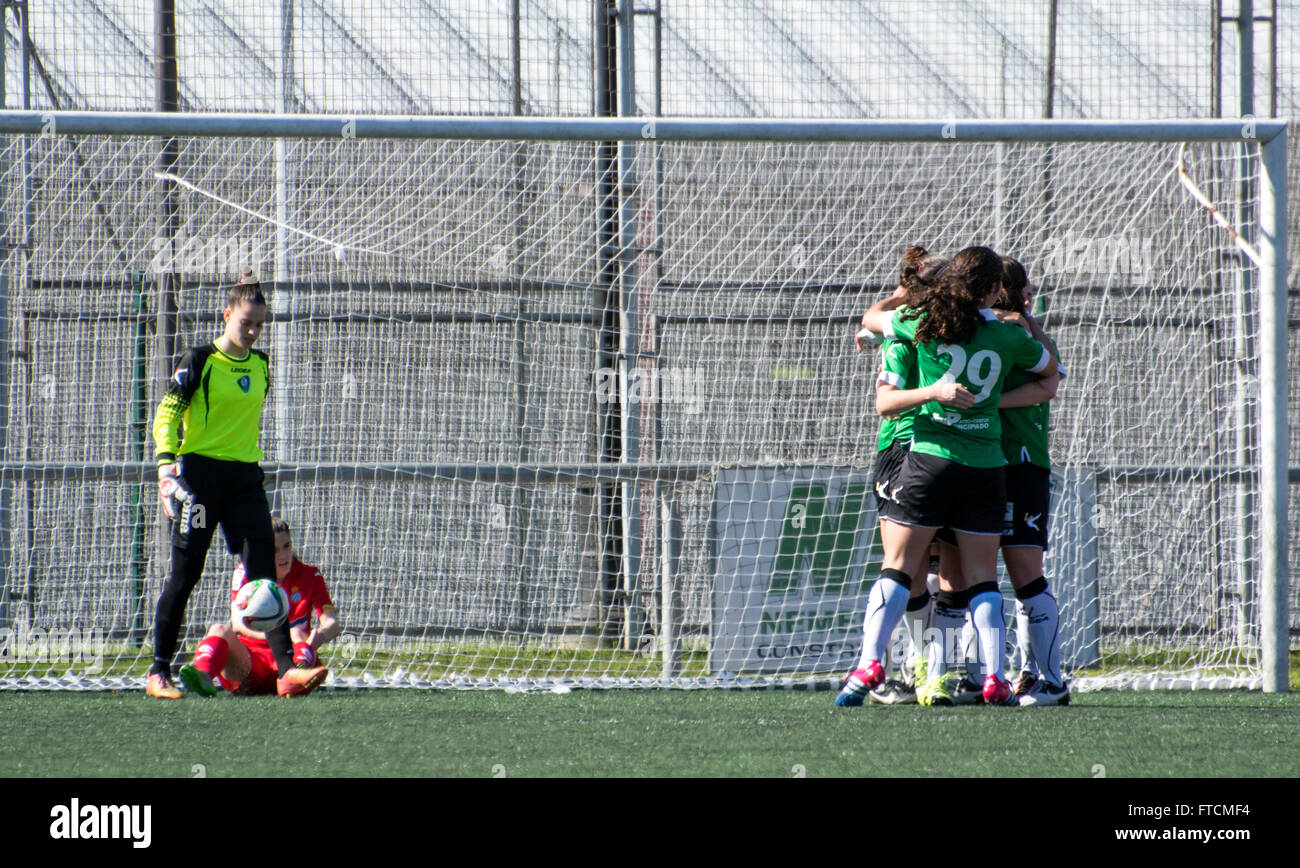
818,539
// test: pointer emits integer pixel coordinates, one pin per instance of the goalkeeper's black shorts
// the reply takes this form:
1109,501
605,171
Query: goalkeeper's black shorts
230,494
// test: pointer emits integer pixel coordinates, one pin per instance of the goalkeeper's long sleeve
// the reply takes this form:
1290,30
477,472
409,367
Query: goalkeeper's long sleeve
167,428
170,415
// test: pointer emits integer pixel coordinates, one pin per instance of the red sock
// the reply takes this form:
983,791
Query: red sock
210,656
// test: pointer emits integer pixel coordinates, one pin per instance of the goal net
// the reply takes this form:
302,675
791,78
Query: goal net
568,413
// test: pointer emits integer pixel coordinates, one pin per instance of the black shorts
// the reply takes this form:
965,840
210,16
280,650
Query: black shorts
889,463
1028,500
935,492
230,494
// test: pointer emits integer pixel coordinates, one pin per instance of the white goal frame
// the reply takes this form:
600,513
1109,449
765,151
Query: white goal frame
1272,472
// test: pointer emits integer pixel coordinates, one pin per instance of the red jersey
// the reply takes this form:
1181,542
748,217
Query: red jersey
306,589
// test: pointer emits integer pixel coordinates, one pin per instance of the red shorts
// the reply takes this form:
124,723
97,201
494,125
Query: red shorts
262,673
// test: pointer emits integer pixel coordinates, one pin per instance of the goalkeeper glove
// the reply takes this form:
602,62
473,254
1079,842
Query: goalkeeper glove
303,656
173,490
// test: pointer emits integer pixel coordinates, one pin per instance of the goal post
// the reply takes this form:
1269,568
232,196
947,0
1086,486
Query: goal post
442,441
1274,428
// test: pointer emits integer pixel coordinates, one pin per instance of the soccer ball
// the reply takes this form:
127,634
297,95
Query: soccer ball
261,605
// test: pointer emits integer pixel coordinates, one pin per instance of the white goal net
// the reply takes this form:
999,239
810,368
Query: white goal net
547,419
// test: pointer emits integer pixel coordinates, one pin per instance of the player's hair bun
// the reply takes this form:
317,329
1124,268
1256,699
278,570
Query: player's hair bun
247,289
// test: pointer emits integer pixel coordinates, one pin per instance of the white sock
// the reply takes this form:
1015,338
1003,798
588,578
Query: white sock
987,618
1044,629
946,624
915,623
885,606
1027,661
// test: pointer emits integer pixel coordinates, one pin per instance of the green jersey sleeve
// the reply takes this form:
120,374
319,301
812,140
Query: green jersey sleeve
903,328
898,365
1032,356
1025,429
898,369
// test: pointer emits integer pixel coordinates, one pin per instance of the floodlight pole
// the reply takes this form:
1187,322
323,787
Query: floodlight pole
167,100
282,301
522,559
637,396
1242,351
608,423
6,364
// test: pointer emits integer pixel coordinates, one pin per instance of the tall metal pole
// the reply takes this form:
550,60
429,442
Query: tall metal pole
25,248
669,523
1221,495
1049,105
1275,433
606,303
630,325
1000,169
520,496
282,302
6,362
1049,88
1216,58
139,439
1272,60
167,99
167,95
1243,350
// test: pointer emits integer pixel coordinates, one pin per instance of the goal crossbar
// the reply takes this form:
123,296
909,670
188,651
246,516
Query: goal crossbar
226,125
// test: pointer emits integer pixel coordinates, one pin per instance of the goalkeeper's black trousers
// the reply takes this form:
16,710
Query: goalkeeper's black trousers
228,493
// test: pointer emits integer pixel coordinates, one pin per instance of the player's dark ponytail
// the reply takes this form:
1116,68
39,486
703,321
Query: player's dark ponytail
952,303
1014,283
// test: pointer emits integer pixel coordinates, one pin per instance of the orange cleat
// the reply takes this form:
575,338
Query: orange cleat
300,682
160,686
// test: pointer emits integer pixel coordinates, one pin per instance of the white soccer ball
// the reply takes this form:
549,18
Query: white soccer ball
340,252
261,605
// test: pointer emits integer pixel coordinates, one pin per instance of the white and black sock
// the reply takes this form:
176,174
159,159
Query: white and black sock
946,624
1043,628
885,606
916,620
988,619
1027,661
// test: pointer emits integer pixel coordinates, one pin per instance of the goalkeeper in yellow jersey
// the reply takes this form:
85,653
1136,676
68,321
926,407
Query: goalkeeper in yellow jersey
206,432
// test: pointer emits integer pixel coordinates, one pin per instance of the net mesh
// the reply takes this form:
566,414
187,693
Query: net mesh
444,392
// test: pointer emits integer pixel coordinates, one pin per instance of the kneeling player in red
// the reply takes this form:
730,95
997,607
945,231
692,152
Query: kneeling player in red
235,658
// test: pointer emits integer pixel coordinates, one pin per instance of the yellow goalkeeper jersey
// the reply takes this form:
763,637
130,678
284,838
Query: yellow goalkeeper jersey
213,406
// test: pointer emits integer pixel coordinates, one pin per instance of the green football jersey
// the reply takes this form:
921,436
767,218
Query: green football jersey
898,369
217,399
973,436
1024,429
